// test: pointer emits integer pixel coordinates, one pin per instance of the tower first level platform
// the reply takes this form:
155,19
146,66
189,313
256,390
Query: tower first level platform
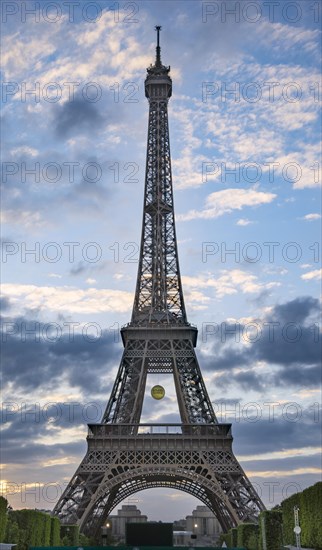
125,458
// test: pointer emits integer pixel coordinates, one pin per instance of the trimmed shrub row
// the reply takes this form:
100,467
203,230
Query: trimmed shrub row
276,527
309,503
33,528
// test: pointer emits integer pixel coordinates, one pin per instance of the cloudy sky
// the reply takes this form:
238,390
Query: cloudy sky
244,128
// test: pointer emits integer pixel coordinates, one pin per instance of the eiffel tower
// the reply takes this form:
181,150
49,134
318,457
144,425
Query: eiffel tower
124,456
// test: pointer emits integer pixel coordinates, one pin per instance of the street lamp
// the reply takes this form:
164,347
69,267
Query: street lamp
106,530
194,527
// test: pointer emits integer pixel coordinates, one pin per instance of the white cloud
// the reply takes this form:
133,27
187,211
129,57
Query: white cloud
259,131
70,299
24,218
229,282
277,270
312,275
223,202
244,222
300,168
104,52
284,473
279,36
20,54
187,168
312,217
121,277
196,300
24,150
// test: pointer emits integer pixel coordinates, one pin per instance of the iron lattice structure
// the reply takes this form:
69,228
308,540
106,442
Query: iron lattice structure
123,455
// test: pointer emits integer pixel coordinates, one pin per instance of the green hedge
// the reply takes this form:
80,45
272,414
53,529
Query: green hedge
69,535
12,531
270,530
288,517
309,503
277,526
54,531
225,537
311,516
47,530
3,517
234,537
247,535
34,528
229,538
31,528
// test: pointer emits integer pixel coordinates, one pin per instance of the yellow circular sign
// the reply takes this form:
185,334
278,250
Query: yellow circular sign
158,392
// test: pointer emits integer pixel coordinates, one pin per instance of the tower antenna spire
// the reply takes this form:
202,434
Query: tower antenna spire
158,49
